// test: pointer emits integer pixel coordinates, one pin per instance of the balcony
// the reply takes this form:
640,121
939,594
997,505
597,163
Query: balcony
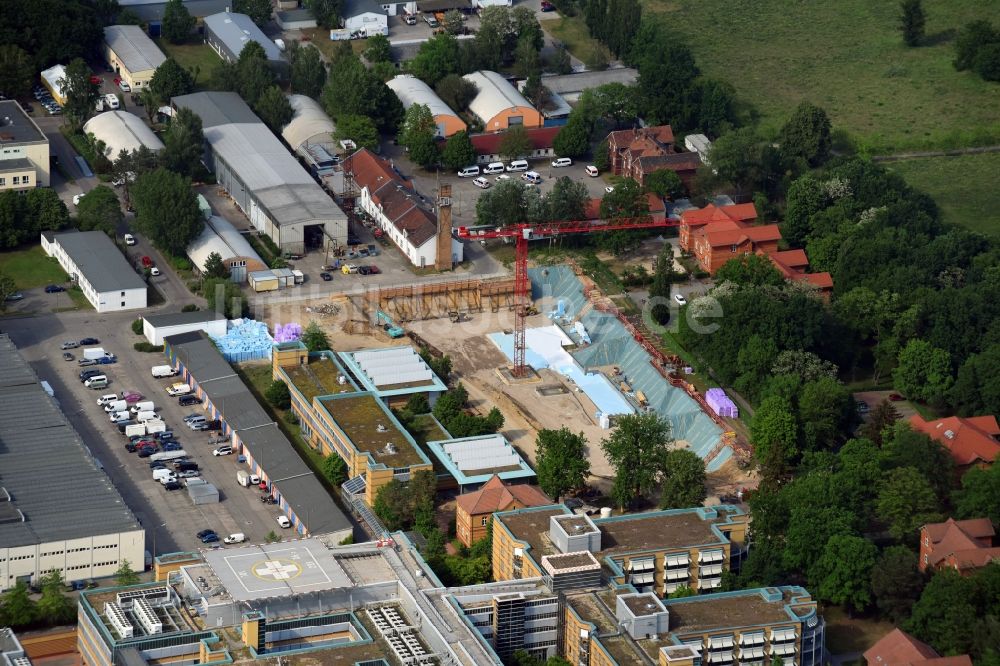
782,649
645,578
751,654
675,561
711,557
709,583
752,640
644,564
677,574
710,571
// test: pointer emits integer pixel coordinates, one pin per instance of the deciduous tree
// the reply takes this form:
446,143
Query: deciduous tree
503,205
456,92
749,269
567,200
683,480
970,40
253,75
359,129
436,58
905,502
352,90
627,200
806,135
515,143
16,70
923,371
101,210
327,12
573,140
7,288
880,419
562,463
773,432
177,22
166,210
16,606
80,93
125,575
274,109
277,394
184,144
308,73
665,184
912,22
843,572
215,267
458,151
979,495
314,338
896,582
54,606
417,134
637,450
378,49
334,470
170,80
259,11
945,615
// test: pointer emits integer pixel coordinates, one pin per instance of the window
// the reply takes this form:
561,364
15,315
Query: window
3,181
123,303
732,248
486,521
16,180
26,180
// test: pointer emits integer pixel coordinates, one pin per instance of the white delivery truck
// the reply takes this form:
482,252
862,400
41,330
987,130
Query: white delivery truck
246,479
155,426
136,429
143,417
160,371
167,455
116,406
163,475
94,353
143,406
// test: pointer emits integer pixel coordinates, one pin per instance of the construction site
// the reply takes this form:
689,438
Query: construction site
585,362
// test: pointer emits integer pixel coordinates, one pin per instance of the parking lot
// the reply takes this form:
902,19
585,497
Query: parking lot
170,518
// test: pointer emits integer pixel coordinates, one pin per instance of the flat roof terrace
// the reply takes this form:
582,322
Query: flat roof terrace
319,377
726,610
532,527
372,429
656,531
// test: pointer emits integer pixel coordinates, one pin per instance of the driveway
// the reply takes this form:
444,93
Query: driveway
60,147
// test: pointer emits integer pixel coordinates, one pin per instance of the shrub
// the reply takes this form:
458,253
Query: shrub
181,263
147,347
137,326
278,395
190,307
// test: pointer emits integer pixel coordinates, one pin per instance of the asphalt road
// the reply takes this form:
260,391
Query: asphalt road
170,519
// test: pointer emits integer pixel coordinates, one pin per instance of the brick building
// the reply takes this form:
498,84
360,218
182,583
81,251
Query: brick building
636,153
473,510
962,545
971,441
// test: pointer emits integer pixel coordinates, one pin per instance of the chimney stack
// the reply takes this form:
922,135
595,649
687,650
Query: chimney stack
443,259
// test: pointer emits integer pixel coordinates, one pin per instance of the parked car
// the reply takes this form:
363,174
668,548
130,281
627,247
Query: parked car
481,183
326,277
239,537
562,162
283,521
548,6
862,406
89,341
123,86
895,397
172,485
592,171
154,271
222,451
186,400
199,427
68,357
87,374
129,239
107,360
680,299
374,270
15,297
54,289
204,533
347,269
188,474
609,189
210,538
87,361
363,270
146,261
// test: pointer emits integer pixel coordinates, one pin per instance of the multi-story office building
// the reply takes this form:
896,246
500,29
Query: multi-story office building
659,551
24,150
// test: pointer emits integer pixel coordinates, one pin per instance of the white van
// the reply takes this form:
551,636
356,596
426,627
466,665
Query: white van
116,406
468,172
518,165
562,162
142,417
143,406
115,417
108,397
163,475
493,167
180,388
283,521
532,177
160,371
239,537
194,420
96,379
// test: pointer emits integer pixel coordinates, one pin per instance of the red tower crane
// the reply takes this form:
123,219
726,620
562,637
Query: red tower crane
522,233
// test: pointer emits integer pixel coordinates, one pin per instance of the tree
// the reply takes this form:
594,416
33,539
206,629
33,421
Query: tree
125,576
987,64
573,140
503,205
377,49
177,22
905,502
417,134
601,159
736,157
826,411
945,615
327,12
359,129
879,420
535,92
559,60
749,269
665,184
214,266
527,61
272,537
912,21
170,80
16,607
398,504
184,144
458,151
683,480
627,200
436,58
274,109
81,94
456,91
17,70
843,572
253,74
977,386
806,135
259,11
567,200
334,470
970,40
54,606
515,143
979,495
307,73
773,432
277,394
314,338
353,90
666,71
224,297
896,582
637,450
923,371
562,464
7,288
167,210
453,22
99,209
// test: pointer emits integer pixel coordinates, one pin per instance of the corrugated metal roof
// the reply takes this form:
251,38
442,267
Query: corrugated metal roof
41,458
410,90
235,30
121,130
272,451
309,124
181,318
216,108
133,47
495,95
222,237
580,81
101,263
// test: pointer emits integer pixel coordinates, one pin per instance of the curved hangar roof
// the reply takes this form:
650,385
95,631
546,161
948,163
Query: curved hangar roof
121,130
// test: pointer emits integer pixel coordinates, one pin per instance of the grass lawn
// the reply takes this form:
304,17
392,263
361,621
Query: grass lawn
320,38
30,268
964,187
572,32
846,634
847,57
193,55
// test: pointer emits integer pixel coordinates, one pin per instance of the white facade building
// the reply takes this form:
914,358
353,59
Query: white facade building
99,268
365,18
58,509
157,327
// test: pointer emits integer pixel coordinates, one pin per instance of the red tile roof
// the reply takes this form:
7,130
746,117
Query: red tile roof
723,237
495,495
398,200
711,213
489,144
642,138
592,211
673,162
790,258
968,542
969,440
898,648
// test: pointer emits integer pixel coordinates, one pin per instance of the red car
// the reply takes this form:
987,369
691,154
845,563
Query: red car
146,262
96,80
374,270
895,397
548,6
